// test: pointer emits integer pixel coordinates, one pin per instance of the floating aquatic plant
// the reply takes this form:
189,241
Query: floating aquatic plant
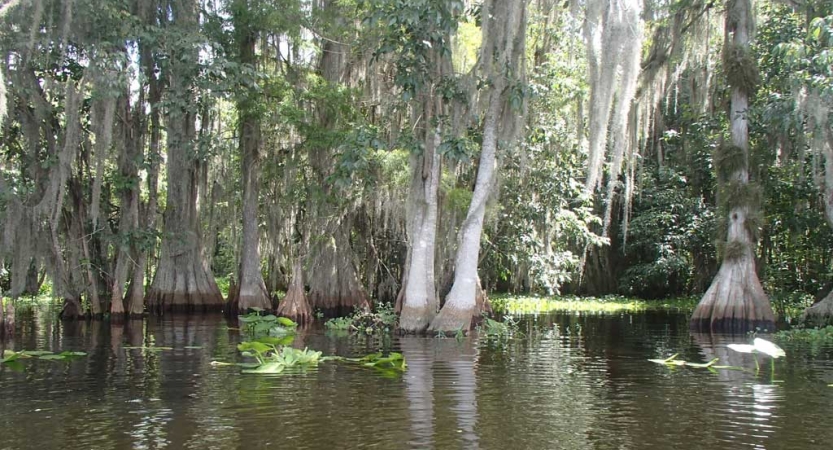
673,361
11,358
256,324
274,357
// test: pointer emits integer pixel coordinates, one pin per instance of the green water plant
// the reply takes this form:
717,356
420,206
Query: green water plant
810,335
498,329
673,361
12,359
592,305
272,355
382,319
256,324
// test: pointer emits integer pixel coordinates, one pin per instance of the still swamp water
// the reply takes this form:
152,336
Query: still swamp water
565,381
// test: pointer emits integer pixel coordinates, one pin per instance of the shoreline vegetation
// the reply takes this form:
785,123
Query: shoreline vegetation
504,303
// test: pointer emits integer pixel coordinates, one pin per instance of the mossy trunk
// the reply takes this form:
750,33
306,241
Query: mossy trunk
294,305
735,302
71,309
461,304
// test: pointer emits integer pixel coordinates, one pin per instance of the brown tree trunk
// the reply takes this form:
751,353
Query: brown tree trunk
132,142
294,305
335,287
334,283
183,280
252,289
142,250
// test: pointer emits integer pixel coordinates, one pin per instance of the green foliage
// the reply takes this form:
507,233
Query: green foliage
383,320
607,304
273,360
494,329
413,30
807,335
669,230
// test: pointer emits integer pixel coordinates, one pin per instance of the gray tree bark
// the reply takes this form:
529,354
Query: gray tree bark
736,301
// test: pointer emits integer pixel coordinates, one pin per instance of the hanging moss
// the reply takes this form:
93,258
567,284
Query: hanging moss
741,68
738,194
732,251
754,223
728,159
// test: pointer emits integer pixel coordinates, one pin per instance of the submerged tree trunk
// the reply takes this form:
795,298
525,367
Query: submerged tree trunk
183,280
334,282
419,301
132,143
735,302
294,305
251,289
460,305
503,38
335,288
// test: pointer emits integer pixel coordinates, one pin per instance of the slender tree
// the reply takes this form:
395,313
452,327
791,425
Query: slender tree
502,64
250,289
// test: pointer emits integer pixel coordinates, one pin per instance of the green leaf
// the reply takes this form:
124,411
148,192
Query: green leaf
36,352
287,322
258,347
9,356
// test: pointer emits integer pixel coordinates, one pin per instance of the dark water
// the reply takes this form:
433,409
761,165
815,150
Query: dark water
571,382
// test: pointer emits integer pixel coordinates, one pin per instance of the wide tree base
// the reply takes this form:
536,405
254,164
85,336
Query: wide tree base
820,314
183,288
735,302
295,306
71,309
452,320
338,305
414,320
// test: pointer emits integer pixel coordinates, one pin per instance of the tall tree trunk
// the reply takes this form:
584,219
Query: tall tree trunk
460,305
143,250
183,280
334,282
502,54
251,289
131,143
420,301
735,302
